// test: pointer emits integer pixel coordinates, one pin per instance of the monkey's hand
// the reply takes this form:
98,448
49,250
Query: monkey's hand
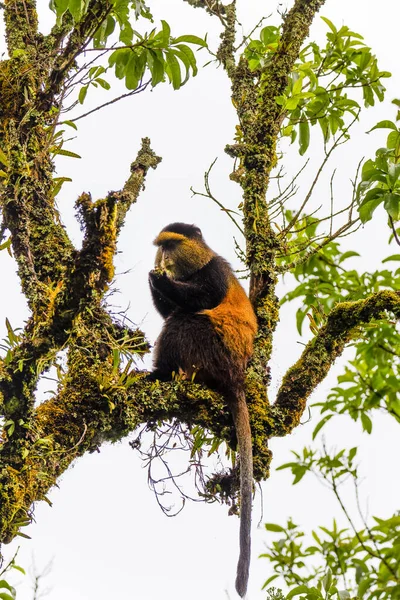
157,276
158,279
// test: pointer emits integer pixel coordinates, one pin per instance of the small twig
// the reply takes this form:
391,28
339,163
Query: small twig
290,186
10,563
395,234
339,233
248,36
141,88
209,194
366,548
354,195
332,200
341,139
78,443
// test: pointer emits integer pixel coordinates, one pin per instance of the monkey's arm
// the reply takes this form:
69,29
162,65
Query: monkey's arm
205,290
164,306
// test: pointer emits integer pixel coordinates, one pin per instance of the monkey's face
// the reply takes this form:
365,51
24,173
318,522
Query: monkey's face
179,256
164,261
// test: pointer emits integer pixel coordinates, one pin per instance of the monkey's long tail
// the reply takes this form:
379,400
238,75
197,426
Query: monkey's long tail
241,420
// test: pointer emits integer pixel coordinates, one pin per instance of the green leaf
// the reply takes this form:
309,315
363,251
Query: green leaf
367,170
104,84
155,63
191,39
366,422
372,200
383,125
320,425
135,69
173,70
58,183
300,589
67,153
59,7
363,586
3,158
330,24
166,33
82,94
347,255
304,136
269,35
120,58
391,257
6,245
7,586
76,8
327,580
393,172
274,527
392,205
70,124
187,53
269,580
126,33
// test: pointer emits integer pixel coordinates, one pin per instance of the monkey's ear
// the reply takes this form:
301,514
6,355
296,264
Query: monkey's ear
197,231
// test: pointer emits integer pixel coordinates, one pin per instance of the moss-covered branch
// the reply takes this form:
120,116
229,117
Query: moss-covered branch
342,326
90,272
21,24
260,119
78,38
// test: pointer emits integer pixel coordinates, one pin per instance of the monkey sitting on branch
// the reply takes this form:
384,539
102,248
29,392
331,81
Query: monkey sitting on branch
208,333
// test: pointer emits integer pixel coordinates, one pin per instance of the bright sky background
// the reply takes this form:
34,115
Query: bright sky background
105,532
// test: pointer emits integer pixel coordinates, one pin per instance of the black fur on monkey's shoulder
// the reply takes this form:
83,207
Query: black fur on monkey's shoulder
204,289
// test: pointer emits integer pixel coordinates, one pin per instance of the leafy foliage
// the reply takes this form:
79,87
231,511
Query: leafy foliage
322,88
338,563
380,177
134,54
159,53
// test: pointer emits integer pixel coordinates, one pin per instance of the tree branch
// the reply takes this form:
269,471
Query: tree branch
322,351
21,24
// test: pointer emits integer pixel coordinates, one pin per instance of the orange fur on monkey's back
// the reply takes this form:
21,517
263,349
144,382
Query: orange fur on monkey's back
234,320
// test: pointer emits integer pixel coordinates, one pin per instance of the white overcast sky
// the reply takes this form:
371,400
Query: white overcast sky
105,532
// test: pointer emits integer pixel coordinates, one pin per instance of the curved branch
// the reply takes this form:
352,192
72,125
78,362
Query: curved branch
93,269
322,351
87,413
79,37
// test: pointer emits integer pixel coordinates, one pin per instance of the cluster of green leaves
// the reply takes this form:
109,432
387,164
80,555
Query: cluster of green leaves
258,52
380,177
371,380
330,466
119,13
158,52
318,91
7,591
339,563
323,279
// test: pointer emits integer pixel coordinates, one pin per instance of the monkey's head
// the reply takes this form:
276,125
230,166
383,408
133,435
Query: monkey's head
181,250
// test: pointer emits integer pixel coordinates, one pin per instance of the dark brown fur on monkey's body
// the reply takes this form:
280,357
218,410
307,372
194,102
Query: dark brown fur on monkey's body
208,331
